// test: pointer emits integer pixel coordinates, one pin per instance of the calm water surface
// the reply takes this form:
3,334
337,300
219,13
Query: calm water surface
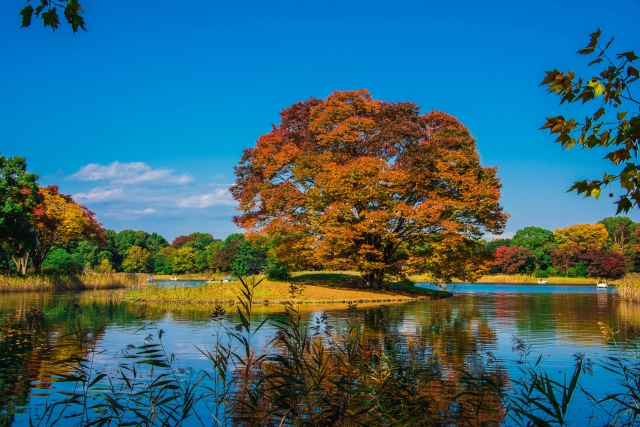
557,321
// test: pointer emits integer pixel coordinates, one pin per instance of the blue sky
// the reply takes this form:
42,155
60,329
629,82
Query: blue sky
143,117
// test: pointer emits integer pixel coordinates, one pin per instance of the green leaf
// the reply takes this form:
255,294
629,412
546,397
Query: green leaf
621,114
624,205
595,193
72,13
595,61
592,43
599,113
50,19
632,71
629,56
551,77
26,13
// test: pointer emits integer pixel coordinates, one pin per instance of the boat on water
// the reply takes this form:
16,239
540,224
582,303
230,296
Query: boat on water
602,284
542,282
174,278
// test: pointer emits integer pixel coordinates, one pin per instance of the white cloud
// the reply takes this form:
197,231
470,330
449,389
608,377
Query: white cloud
129,173
221,196
506,235
143,211
99,194
129,213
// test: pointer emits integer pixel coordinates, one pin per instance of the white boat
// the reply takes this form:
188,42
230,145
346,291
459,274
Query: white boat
602,285
174,278
542,282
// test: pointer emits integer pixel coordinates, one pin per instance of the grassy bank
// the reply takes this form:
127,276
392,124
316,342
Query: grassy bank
629,287
79,282
306,288
516,278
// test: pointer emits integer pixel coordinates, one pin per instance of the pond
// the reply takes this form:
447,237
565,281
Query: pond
556,321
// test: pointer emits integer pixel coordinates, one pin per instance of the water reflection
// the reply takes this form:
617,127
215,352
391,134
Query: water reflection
451,337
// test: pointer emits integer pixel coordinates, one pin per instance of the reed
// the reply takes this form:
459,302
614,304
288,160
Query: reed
628,287
80,282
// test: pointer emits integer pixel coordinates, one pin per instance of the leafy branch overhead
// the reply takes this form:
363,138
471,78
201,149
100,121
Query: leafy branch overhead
609,126
47,10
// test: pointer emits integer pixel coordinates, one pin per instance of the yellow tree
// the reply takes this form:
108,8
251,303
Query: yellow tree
584,236
184,260
59,220
136,260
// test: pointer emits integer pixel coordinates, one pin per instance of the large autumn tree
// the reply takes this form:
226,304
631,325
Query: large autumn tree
353,182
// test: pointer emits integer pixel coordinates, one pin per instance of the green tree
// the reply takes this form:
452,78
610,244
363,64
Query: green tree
184,260
495,244
539,240
225,256
18,197
154,242
136,260
85,252
200,242
47,10
249,259
211,252
163,260
620,229
60,261
614,124
128,238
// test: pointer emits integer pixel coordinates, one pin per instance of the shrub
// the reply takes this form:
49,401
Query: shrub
278,272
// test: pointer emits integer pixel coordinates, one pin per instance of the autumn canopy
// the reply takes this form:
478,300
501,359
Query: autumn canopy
354,183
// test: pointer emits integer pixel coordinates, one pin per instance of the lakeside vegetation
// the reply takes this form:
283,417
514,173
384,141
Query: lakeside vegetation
629,288
303,288
30,283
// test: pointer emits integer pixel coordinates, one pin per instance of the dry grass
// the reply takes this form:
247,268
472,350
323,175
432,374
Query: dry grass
306,288
80,282
515,278
628,287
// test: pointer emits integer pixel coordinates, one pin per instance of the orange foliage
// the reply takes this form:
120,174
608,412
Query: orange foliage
352,182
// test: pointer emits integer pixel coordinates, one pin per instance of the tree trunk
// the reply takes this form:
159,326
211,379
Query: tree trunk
21,263
373,279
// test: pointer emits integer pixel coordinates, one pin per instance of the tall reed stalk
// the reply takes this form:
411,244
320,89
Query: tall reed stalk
628,287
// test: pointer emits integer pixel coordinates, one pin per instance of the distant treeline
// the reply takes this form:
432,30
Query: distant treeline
607,249
134,251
